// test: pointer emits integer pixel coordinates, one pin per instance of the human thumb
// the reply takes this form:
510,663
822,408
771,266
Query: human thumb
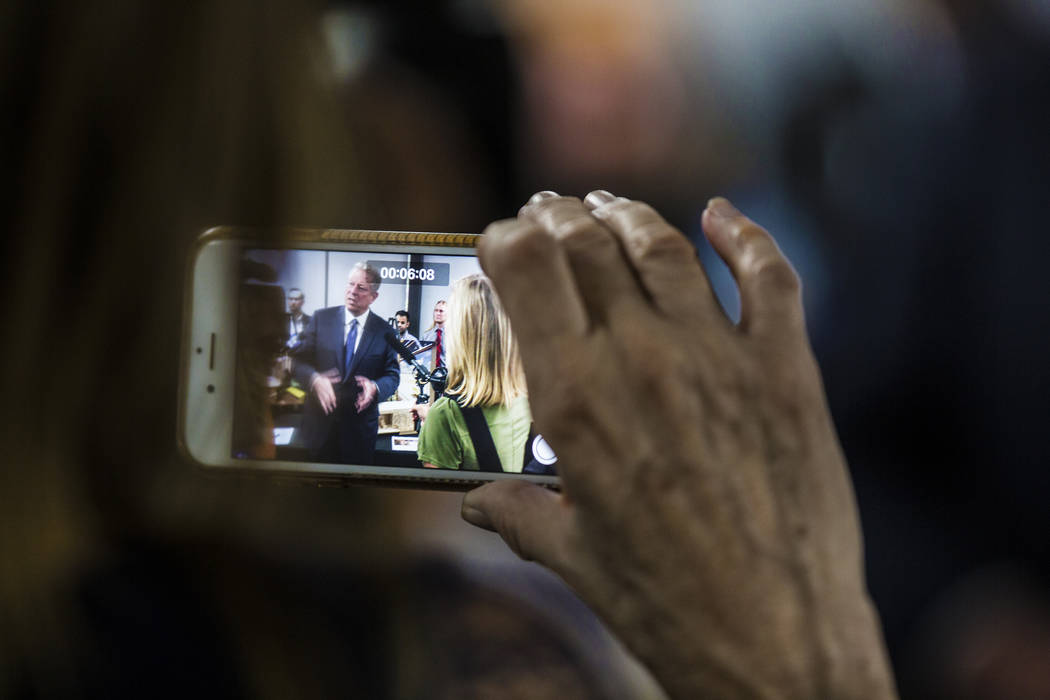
532,520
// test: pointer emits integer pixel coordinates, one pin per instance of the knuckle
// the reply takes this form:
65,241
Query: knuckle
551,204
774,272
656,241
547,211
628,215
581,232
631,211
749,235
514,241
763,261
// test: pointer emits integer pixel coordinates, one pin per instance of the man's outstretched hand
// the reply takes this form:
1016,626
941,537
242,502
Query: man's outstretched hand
706,513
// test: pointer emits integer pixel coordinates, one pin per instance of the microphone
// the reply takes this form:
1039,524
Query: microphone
390,335
438,378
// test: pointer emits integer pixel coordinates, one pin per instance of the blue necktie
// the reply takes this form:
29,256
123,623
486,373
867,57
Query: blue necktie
351,340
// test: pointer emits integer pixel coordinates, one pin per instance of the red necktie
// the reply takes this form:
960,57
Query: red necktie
437,350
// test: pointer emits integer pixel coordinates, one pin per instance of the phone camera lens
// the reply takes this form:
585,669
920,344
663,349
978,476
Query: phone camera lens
211,388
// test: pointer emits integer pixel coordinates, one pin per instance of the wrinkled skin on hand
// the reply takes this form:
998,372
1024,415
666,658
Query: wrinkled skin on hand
706,512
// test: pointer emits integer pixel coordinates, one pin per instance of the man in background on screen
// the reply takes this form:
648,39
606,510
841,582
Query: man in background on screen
403,336
435,334
297,320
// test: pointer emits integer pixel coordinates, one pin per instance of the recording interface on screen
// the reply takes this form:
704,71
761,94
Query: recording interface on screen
341,354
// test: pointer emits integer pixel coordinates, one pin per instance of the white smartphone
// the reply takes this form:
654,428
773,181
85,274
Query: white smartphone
316,353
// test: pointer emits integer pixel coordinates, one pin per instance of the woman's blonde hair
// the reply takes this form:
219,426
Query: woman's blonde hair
484,367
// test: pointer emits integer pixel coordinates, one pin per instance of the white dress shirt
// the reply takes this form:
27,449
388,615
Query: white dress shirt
347,318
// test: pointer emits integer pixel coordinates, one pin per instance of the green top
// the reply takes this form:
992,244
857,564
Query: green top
444,440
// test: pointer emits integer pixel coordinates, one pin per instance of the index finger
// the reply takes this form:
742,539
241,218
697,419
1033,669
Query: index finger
535,283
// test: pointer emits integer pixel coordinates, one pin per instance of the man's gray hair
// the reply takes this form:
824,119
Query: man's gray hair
371,274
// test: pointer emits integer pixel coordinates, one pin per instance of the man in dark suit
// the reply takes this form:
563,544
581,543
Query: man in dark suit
344,359
297,321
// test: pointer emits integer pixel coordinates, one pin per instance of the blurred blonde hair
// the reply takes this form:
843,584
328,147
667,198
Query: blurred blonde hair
484,367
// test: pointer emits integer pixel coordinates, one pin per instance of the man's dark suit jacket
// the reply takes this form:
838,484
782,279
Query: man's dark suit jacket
344,435
288,327
288,322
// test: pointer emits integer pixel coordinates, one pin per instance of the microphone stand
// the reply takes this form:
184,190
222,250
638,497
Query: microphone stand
437,377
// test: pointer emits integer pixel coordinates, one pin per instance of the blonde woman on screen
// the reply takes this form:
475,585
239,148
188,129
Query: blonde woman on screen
485,372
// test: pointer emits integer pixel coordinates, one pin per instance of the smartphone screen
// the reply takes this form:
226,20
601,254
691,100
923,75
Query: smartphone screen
345,355
341,354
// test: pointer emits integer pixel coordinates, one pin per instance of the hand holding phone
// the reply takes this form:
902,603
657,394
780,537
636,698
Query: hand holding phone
706,512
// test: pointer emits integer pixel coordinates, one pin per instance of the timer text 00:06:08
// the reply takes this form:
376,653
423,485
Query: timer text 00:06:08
406,273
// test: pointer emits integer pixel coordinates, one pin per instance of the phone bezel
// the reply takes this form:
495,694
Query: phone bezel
205,418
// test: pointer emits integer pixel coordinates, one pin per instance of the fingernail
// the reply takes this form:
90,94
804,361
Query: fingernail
722,208
540,196
476,517
597,198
